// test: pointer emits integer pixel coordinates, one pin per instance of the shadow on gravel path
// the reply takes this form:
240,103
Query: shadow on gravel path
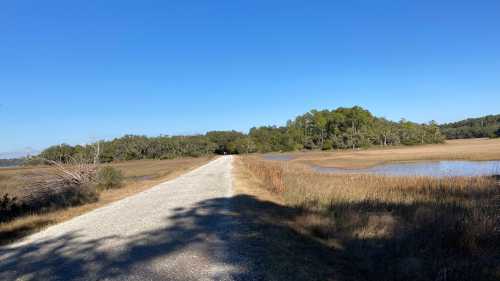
239,232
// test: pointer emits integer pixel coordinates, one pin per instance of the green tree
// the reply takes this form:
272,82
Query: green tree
481,127
223,138
242,146
61,153
326,129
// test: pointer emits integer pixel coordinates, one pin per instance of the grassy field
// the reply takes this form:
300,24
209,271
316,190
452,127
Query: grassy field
469,149
388,228
285,252
139,175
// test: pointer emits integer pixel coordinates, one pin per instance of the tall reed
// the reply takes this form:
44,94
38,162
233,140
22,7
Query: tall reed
413,227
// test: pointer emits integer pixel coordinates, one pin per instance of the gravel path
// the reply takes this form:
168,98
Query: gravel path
178,230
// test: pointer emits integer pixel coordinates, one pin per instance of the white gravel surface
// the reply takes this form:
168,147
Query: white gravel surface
178,230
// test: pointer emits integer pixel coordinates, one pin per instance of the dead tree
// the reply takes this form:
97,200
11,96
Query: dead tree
76,176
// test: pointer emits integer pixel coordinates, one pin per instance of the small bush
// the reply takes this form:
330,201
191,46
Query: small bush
9,207
109,177
328,145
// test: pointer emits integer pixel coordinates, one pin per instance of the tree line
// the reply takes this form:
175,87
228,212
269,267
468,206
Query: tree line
342,128
482,127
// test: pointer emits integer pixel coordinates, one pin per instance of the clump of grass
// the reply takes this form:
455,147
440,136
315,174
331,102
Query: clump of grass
109,177
395,228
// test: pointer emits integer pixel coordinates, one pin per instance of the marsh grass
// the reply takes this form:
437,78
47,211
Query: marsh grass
394,228
468,150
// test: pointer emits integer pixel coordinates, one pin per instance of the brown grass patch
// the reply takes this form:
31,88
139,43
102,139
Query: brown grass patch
284,250
139,176
470,149
393,228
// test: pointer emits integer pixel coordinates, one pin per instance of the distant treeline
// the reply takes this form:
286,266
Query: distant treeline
343,128
482,127
340,129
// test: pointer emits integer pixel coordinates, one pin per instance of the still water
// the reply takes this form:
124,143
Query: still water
433,169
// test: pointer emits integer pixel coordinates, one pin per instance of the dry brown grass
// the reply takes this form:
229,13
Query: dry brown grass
247,182
139,176
394,228
470,149
11,179
269,227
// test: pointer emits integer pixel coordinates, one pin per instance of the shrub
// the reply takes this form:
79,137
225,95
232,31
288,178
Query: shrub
328,145
109,177
9,207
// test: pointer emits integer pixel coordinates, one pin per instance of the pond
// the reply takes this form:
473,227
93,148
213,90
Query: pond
433,169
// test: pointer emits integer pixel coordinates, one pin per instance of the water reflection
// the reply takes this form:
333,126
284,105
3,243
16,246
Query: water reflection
434,169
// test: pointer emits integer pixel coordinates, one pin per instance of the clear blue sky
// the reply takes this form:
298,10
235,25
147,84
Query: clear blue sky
77,71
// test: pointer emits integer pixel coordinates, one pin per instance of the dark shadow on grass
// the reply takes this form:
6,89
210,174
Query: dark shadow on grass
417,241
44,201
241,232
20,231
